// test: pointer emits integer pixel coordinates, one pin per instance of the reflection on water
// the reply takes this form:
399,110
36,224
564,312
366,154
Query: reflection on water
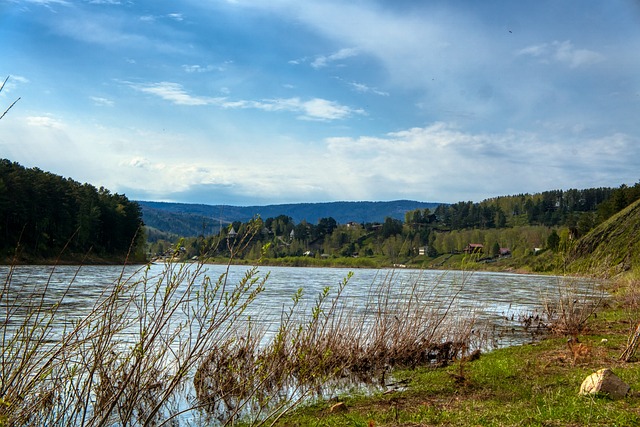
496,298
67,294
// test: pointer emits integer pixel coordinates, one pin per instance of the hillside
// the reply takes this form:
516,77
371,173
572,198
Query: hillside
611,247
191,219
44,216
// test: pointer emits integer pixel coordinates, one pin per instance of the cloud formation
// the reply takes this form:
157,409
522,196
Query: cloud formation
563,52
324,61
202,101
312,109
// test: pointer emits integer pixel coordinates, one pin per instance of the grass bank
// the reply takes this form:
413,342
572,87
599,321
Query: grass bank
534,384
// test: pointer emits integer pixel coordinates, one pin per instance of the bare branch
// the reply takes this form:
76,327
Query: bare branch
12,104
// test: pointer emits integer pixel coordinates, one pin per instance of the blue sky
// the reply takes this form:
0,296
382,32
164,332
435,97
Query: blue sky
253,102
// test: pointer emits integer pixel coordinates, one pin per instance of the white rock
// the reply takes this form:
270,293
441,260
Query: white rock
606,382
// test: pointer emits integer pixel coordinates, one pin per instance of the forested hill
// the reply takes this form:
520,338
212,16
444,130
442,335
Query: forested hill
527,231
195,219
44,216
579,210
612,247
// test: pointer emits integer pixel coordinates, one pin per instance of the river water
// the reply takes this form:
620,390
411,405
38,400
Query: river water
495,299
496,302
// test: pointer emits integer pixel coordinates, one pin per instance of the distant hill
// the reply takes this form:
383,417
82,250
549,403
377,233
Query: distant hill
612,247
186,219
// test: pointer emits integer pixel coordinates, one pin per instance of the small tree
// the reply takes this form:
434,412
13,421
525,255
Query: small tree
553,241
495,250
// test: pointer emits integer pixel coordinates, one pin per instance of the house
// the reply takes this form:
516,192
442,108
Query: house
422,250
505,251
474,248
232,234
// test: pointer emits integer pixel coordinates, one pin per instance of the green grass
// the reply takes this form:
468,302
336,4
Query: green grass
301,261
528,385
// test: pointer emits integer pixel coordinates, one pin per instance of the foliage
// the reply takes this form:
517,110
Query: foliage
191,216
568,311
513,230
610,248
125,361
534,384
156,347
553,241
41,214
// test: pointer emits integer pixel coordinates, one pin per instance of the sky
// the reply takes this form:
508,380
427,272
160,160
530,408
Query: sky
257,102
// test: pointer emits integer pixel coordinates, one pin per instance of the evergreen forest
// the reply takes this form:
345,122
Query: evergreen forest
44,216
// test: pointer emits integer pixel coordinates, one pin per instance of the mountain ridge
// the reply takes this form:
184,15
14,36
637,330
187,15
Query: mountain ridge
190,219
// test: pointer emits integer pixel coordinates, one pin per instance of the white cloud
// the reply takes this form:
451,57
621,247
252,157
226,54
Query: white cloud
322,109
312,109
562,52
449,164
45,122
152,18
10,83
44,2
439,162
174,93
102,102
323,61
112,2
565,52
195,68
534,50
137,162
176,16
363,88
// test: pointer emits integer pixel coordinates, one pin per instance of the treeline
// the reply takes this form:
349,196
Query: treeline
518,225
579,210
42,214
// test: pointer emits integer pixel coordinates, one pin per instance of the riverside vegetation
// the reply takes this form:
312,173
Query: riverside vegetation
41,214
528,233
532,384
155,348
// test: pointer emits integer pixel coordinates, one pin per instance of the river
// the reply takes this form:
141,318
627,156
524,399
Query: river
498,299
495,302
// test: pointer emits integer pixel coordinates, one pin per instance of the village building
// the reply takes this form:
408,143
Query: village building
474,248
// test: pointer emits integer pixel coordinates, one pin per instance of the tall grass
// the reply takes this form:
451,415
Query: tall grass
568,311
126,360
156,349
337,342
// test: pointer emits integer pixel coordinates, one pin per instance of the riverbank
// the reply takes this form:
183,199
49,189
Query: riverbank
532,384
544,263
70,259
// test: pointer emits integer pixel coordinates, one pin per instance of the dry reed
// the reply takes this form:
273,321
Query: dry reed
156,347
339,341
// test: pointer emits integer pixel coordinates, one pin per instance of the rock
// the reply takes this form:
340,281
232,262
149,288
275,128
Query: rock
339,408
606,382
